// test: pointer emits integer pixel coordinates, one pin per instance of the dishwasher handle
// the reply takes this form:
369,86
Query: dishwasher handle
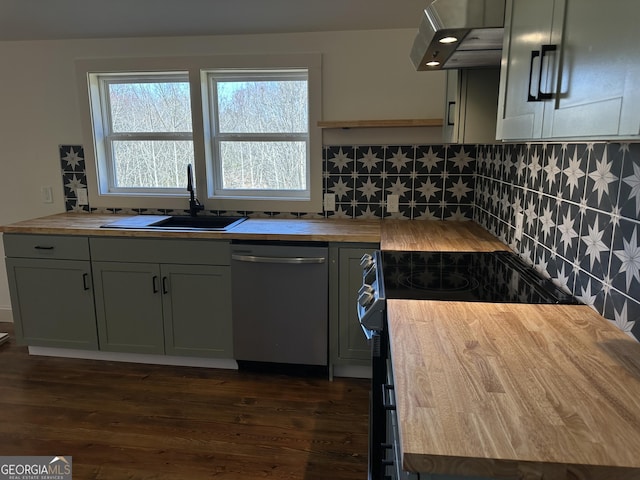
284,260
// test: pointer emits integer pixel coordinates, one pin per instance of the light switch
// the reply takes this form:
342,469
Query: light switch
83,198
46,194
519,224
392,203
329,202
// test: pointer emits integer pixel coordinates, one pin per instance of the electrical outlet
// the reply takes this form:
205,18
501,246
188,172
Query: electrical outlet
329,202
519,226
83,198
392,203
46,194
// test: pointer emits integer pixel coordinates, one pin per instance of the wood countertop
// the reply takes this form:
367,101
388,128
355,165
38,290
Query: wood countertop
415,235
366,231
437,236
515,391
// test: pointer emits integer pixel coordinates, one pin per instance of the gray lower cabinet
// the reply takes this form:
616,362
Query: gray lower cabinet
154,307
51,291
129,307
348,343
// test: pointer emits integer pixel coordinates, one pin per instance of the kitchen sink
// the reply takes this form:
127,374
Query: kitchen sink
177,222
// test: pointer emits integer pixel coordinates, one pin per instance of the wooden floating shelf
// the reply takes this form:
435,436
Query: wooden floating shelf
421,122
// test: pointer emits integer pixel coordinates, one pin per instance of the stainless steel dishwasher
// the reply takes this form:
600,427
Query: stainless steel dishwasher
280,302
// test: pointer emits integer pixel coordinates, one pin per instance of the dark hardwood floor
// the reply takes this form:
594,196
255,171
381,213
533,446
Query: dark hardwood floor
133,421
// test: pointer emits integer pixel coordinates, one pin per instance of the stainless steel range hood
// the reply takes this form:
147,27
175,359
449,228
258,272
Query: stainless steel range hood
474,29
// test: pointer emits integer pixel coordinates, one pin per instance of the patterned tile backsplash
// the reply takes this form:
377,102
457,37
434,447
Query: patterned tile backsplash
581,210
580,204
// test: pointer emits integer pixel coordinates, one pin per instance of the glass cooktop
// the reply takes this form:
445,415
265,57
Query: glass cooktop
499,276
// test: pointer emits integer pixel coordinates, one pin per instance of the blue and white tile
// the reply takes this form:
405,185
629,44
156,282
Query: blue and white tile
426,212
552,168
603,176
428,189
461,159
589,291
368,211
534,166
563,274
629,199
459,189
623,312
430,159
340,160
484,160
401,185
72,158
569,221
399,160
509,161
594,249
531,206
520,152
342,186
574,172
368,189
370,159
547,221
459,213
625,258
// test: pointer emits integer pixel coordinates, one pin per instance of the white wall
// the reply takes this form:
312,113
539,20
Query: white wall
366,75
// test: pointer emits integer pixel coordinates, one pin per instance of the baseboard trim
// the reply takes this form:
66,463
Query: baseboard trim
6,315
224,363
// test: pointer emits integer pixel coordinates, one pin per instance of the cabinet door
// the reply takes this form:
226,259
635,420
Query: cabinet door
52,302
599,93
197,310
129,307
350,342
527,27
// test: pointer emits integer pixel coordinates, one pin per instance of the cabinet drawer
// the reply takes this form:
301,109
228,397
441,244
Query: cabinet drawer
46,246
205,252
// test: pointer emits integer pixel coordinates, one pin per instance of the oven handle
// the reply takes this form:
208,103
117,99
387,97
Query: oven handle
386,394
285,260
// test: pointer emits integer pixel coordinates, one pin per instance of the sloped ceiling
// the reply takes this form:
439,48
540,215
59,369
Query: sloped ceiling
74,19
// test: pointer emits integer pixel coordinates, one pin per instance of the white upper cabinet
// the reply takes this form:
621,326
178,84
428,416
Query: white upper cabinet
568,70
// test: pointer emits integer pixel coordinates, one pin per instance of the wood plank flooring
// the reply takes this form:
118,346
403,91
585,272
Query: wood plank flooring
133,421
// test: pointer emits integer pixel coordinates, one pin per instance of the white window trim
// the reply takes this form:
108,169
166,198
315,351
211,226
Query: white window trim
196,67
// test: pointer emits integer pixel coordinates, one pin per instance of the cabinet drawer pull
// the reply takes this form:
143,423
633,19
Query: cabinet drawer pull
154,282
540,95
165,290
42,247
85,281
533,98
543,52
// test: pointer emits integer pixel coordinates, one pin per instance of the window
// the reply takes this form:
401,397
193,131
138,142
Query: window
147,139
248,125
260,133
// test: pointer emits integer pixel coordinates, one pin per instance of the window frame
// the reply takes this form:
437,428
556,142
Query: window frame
214,181
197,68
103,80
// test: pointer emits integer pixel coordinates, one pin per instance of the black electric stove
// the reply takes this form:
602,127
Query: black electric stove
498,277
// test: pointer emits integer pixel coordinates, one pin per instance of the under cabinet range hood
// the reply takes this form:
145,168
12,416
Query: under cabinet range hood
459,34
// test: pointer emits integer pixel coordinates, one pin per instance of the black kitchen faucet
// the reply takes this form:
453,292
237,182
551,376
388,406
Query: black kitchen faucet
194,204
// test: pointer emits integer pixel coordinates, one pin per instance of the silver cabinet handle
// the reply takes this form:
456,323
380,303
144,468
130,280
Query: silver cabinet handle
288,260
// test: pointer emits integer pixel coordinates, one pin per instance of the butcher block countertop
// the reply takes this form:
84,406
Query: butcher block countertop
437,236
366,231
515,391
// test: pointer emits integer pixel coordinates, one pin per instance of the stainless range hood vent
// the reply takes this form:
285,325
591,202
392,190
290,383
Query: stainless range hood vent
477,27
